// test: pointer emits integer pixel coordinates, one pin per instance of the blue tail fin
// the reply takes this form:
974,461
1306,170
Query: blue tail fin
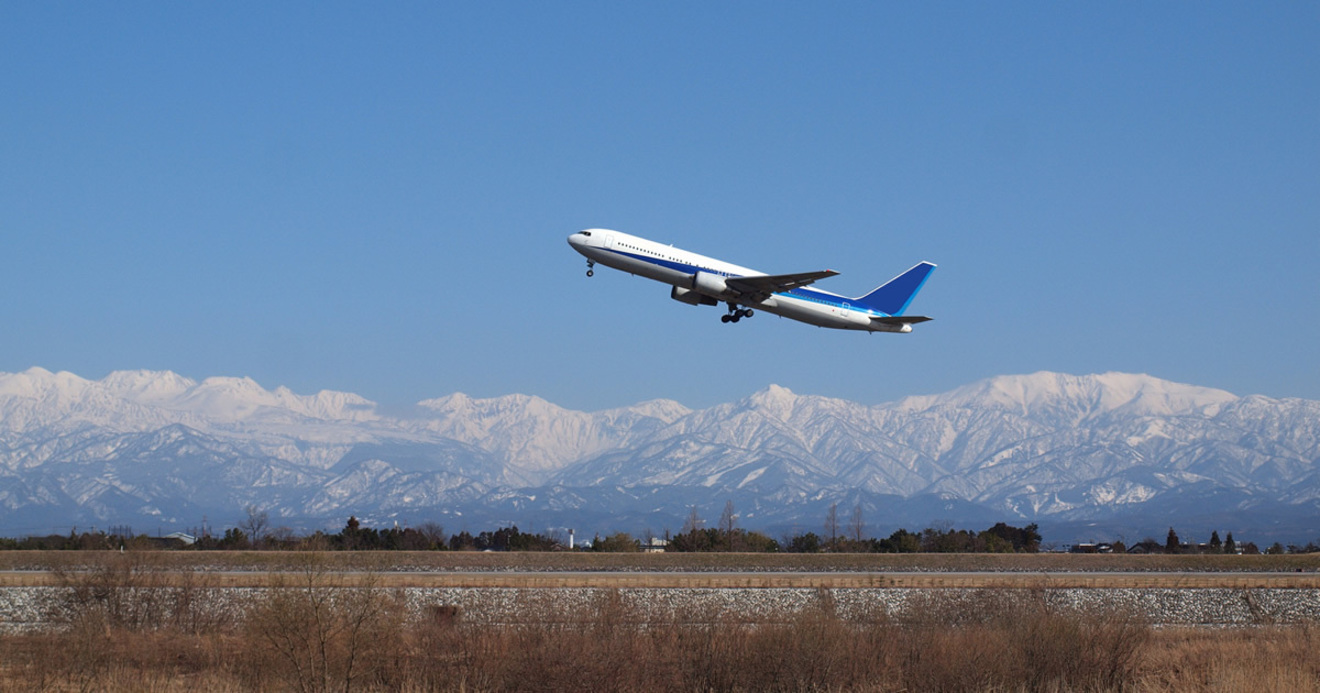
893,296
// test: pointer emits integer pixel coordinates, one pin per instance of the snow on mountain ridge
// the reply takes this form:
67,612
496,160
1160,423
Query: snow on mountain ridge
172,397
774,400
1079,397
147,387
538,438
666,410
39,383
1044,445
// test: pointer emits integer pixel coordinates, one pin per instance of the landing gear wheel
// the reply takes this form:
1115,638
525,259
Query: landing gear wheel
735,313
590,273
746,312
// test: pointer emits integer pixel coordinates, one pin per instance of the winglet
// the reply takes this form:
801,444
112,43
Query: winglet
893,296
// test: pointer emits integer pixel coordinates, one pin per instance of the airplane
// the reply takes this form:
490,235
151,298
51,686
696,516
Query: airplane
702,281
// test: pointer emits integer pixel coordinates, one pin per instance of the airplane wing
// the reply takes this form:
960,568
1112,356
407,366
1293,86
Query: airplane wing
762,285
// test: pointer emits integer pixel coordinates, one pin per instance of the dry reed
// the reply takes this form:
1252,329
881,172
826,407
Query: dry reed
123,631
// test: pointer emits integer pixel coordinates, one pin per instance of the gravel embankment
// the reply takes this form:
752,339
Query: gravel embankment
29,608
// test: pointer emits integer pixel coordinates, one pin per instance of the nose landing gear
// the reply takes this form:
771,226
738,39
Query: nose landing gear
590,271
735,313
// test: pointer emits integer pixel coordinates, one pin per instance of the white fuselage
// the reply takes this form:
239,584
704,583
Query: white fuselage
678,268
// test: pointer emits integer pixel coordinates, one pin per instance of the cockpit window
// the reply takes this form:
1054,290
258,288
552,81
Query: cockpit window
586,233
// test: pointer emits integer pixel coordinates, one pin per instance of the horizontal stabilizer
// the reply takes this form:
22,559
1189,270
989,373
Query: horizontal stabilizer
900,319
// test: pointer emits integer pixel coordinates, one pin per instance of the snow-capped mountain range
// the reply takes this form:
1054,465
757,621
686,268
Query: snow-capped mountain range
1101,454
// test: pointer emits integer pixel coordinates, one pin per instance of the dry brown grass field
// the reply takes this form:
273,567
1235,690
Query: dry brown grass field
123,630
169,576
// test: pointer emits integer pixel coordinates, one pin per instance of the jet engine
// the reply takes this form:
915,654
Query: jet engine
691,298
711,285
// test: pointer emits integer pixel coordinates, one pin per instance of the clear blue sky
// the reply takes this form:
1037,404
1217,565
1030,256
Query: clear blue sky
375,198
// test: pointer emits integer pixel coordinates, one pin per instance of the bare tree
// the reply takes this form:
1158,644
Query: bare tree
255,525
832,526
856,526
693,521
728,523
434,533
282,536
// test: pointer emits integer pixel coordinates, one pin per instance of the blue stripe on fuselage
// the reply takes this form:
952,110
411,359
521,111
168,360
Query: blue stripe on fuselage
821,297
668,264
804,293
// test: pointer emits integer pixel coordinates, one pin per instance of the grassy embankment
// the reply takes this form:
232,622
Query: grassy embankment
126,630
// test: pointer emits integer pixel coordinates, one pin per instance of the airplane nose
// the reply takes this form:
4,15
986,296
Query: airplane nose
580,240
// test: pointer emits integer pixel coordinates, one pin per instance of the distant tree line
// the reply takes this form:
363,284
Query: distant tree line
851,537
355,537
254,533
1172,544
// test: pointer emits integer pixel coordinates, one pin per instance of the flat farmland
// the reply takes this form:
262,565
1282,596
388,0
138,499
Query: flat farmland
722,570
652,580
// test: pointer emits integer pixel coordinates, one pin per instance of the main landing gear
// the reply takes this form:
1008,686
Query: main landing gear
590,271
735,313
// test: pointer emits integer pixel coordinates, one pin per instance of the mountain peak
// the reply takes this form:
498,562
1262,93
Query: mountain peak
459,402
775,400
37,382
666,410
774,392
170,395
147,386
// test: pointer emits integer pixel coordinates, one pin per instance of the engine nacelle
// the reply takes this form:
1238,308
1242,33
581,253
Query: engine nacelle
711,285
691,298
